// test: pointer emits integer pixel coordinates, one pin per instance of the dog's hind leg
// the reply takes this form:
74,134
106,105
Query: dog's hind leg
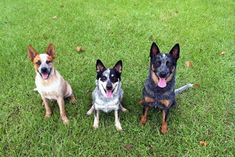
47,107
117,121
72,99
123,109
63,115
96,119
91,110
164,128
144,117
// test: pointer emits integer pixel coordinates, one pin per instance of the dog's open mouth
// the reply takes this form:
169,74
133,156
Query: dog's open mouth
161,82
45,76
109,93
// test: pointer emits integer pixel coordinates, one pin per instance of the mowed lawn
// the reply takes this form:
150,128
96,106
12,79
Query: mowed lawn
203,123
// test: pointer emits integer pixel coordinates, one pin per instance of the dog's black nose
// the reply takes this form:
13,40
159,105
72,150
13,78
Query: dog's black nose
44,70
109,86
162,74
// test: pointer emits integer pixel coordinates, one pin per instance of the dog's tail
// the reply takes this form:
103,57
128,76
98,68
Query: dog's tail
183,88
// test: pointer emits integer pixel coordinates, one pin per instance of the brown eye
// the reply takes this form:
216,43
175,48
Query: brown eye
38,62
48,62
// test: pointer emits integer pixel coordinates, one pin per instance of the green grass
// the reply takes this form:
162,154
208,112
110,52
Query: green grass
111,31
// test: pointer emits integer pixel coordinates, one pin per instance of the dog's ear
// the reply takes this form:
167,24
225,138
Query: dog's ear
31,52
51,50
99,66
118,66
154,50
175,51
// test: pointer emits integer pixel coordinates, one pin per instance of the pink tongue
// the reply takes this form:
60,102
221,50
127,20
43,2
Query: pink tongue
162,82
44,76
109,94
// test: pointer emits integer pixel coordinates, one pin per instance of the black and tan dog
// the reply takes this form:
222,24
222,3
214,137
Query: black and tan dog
159,88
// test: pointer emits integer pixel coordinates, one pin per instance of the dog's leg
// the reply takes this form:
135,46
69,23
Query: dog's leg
96,119
144,118
91,110
47,107
73,99
117,121
123,109
164,128
63,116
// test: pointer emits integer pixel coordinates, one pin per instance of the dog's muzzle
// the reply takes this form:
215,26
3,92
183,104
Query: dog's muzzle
45,73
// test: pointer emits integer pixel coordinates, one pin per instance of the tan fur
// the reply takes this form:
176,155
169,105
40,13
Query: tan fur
55,87
165,102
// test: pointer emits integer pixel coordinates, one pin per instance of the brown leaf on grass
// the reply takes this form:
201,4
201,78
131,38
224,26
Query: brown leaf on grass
203,143
188,64
128,147
80,49
54,17
222,53
196,85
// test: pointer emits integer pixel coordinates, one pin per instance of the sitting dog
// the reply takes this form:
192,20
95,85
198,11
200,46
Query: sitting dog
159,87
49,83
108,93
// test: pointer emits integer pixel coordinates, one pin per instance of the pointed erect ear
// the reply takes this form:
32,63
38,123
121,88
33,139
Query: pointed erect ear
99,66
118,66
175,51
51,50
154,50
31,52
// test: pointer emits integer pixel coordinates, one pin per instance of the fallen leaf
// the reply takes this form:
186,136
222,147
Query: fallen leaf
188,64
196,85
54,17
128,146
222,53
80,49
203,143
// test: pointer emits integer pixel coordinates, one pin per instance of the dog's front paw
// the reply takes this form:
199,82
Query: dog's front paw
143,120
65,120
95,126
48,115
164,129
118,127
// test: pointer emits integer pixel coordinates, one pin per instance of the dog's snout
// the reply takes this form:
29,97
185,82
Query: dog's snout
109,86
44,70
162,74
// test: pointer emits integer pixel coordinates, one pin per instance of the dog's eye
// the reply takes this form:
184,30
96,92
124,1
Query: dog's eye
38,62
168,63
113,79
48,62
158,63
103,78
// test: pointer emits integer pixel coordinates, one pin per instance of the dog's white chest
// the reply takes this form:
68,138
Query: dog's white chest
49,91
107,106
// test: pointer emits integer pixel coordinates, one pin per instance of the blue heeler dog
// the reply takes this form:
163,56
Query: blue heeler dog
108,93
159,87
